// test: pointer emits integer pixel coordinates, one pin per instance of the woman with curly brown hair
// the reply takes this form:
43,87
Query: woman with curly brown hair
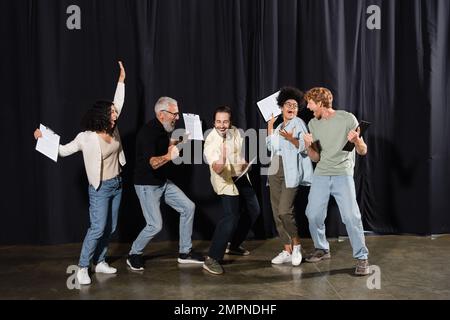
103,157
289,168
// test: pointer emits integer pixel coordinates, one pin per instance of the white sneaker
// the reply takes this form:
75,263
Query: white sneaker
296,255
283,257
83,276
104,267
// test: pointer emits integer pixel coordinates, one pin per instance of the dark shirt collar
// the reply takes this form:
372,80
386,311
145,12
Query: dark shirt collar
155,123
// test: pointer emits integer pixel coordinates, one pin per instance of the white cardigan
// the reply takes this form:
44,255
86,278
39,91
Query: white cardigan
88,143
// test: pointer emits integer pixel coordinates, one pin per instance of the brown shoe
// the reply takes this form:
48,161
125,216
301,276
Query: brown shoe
318,255
362,268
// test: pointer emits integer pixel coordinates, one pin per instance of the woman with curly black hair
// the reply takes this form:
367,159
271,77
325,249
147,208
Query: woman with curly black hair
103,157
289,168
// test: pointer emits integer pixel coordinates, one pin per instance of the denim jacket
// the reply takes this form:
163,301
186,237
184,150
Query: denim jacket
298,169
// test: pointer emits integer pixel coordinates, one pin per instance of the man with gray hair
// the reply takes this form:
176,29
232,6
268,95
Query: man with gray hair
154,152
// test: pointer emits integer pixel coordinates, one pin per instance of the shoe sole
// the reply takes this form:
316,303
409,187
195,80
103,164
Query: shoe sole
280,263
106,272
237,254
211,271
133,268
362,274
185,261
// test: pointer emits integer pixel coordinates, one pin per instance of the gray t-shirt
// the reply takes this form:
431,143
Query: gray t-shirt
332,135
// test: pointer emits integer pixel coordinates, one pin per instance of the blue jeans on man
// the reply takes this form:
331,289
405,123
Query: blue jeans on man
342,188
150,199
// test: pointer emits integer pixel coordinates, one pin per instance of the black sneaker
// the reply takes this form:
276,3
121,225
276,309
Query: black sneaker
191,257
135,262
239,251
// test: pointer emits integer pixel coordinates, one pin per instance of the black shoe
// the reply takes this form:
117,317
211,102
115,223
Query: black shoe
191,257
239,251
135,262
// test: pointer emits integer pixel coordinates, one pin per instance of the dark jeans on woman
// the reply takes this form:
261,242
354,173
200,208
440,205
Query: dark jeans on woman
233,227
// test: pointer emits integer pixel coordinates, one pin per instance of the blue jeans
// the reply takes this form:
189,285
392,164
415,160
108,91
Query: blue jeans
342,188
150,199
104,206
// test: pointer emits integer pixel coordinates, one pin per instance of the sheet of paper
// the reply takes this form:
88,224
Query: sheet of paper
246,169
48,144
269,106
193,126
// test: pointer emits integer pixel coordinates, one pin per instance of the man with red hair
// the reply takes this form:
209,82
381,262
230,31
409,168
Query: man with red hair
333,175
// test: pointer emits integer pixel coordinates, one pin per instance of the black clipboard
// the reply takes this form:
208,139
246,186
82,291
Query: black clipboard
316,146
363,125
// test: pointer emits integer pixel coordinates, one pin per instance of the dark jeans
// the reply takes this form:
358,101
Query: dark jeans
233,227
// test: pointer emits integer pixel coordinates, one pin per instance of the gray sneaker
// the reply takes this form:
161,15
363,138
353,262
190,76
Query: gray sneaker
318,255
362,268
212,266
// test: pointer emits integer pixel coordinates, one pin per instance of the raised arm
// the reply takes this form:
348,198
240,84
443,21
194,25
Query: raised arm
119,96
270,132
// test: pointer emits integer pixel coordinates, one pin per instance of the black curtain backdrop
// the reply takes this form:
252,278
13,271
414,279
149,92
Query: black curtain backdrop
207,53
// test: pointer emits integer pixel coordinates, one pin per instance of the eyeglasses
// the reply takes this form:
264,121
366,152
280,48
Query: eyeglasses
175,114
291,105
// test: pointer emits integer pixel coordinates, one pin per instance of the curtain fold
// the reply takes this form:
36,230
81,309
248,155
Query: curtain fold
225,52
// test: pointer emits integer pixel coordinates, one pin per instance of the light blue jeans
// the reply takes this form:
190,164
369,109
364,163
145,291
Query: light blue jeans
150,199
342,188
104,206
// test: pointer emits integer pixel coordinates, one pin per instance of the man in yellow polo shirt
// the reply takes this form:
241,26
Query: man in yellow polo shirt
222,151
